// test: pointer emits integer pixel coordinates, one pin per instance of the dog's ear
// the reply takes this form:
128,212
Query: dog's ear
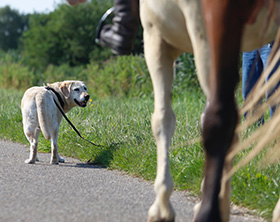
65,88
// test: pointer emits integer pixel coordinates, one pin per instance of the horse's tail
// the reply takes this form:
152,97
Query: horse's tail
268,134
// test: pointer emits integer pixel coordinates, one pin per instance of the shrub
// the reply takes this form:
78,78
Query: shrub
66,35
185,74
125,76
14,74
63,72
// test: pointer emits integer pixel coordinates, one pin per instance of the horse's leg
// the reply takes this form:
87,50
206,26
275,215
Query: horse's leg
196,30
224,34
159,57
276,212
197,33
218,130
224,195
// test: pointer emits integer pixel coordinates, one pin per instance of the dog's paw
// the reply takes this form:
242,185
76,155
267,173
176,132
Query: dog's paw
61,160
29,161
54,162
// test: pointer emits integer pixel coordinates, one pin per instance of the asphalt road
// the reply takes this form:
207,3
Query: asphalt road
75,191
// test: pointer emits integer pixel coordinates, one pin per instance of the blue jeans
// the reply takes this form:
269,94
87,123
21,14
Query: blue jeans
252,66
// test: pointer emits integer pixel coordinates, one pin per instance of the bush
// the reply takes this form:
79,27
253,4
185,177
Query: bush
66,35
124,76
63,72
185,74
14,74
12,25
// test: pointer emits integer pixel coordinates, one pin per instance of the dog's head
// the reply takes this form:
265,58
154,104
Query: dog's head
75,92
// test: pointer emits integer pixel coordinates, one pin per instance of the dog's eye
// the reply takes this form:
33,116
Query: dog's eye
85,88
77,89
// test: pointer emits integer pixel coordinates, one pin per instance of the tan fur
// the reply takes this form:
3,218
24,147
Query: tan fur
39,113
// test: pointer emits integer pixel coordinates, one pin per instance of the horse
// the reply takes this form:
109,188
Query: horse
215,32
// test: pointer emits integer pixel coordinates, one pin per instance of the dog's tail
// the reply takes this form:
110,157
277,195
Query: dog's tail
42,117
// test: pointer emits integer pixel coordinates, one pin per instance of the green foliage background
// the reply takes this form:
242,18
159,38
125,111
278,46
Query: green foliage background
12,26
66,35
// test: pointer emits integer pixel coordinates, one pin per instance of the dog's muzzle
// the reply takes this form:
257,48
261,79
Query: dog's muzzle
82,103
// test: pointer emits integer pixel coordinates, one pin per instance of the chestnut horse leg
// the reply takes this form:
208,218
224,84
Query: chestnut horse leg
224,22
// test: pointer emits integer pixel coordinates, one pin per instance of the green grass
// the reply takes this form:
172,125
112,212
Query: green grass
123,127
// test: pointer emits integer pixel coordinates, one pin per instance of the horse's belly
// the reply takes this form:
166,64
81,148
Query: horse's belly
177,36
259,33
170,22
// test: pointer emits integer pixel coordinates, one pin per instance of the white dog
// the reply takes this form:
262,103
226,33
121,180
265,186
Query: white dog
40,113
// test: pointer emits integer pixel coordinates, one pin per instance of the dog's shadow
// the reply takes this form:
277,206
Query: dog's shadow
102,160
83,165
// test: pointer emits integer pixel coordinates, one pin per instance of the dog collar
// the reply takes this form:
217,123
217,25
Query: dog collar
57,95
63,114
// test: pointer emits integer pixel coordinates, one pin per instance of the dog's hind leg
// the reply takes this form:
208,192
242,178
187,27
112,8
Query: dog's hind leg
33,139
54,152
159,57
55,158
60,159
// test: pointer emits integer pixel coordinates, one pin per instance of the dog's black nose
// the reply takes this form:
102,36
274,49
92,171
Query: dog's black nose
87,97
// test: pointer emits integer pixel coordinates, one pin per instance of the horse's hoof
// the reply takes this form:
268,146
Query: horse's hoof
161,215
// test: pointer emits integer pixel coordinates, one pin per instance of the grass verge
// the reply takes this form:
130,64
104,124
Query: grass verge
123,127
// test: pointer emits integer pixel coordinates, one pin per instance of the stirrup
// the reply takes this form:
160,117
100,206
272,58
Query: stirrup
101,24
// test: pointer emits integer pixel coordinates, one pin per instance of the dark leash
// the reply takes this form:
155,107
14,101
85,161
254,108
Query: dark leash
65,117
